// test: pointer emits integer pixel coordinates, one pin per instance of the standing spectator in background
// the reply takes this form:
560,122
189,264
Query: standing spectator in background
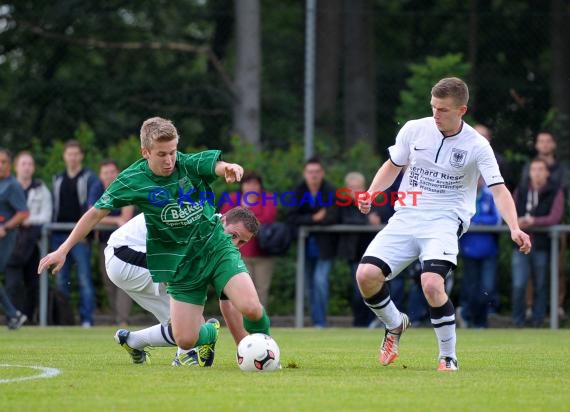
504,166
539,202
479,251
70,192
259,264
22,281
351,246
119,301
314,204
13,211
545,147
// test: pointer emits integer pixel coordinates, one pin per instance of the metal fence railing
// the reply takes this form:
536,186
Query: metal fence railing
304,231
554,232
47,229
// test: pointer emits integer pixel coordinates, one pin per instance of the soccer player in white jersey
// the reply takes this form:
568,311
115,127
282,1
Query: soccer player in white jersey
125,261
444,158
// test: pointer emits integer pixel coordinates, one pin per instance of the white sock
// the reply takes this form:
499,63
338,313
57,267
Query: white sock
381,304
157,335
446,339
180,351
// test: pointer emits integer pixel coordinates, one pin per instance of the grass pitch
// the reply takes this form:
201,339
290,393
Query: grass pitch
323,370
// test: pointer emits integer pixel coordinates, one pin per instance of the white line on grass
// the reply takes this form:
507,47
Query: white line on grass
45,372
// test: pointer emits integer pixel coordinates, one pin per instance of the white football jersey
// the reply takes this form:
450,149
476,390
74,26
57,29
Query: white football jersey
444,169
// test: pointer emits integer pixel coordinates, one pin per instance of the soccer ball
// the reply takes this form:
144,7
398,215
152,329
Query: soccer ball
258,353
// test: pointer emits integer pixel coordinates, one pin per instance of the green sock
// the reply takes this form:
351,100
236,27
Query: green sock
208,334
257,326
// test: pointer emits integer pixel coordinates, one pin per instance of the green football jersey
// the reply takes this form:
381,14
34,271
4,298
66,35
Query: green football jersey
180,220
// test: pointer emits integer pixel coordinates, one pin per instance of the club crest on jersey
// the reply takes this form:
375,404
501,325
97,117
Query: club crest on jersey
182,183
457,158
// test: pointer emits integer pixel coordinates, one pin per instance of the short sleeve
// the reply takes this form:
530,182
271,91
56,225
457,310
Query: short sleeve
488,166
202,164
400,151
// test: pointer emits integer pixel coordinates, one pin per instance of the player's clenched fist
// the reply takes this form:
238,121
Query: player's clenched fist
364,204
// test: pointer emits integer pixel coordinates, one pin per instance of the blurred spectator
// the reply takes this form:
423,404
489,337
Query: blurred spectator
22,281
504,166
314,204
13,211
119,301
545,147
259,264
351,246
70,191
539,202
480,253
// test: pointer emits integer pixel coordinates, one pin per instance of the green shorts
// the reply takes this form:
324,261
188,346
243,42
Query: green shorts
216,268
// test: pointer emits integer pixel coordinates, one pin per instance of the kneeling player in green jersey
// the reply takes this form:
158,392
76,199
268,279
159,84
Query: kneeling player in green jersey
125,262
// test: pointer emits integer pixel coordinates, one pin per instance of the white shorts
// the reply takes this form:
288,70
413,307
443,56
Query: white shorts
405,239
137,283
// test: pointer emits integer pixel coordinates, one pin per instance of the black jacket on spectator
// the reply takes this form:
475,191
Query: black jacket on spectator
301,211
558,175
351,246
540,241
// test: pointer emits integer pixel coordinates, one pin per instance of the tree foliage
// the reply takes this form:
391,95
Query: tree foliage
110,64
414,100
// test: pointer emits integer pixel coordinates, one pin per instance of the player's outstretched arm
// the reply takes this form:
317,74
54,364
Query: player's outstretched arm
508,211
81,229
232,172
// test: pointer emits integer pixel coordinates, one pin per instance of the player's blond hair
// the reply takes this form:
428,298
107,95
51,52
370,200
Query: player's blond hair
157,129
452,87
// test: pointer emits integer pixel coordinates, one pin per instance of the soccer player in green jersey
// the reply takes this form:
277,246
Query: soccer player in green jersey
186,245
